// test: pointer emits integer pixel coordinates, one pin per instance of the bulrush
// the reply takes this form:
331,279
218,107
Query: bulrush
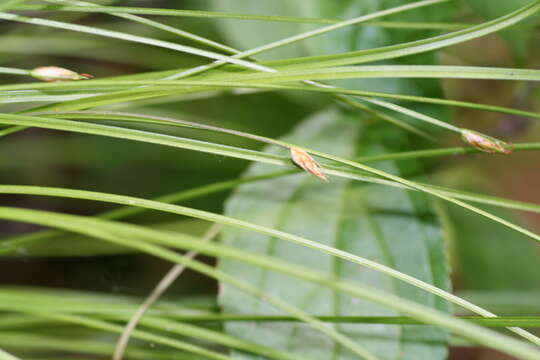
306,162
57,74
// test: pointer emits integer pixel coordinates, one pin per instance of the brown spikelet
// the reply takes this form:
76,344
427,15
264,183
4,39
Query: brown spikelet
57,74
306,162
485,143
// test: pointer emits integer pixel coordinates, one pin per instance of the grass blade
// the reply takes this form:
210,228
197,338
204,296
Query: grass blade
154,24
7,356
415,47
156,293
126,200
239,153
126,37
111,232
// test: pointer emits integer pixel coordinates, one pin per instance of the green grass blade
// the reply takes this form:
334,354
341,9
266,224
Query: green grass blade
330,73
327,29
38,342
14,322
415,47
313,33
383,116
153,24
223,15
109,327
420,154
306,35
113,232
127,37
502,321
81,302
14,71
175,12
238,153
12,300
7,356
112,235
110,306
180,210
130,117
432,192
123,133
415,114
200,333
391,71
7,5
38,96
11,244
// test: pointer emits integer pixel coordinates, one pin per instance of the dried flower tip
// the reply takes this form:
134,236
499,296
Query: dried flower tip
485,143
57,74
306,162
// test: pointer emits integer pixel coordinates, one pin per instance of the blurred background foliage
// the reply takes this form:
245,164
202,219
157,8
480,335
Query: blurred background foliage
482,264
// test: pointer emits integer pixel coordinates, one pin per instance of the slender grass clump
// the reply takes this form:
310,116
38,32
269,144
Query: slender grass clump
375,264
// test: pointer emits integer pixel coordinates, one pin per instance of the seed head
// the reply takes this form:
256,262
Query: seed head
306,162
485,143
57,74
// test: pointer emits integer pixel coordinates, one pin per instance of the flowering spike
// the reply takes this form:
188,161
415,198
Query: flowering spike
306,162
485,143
57,74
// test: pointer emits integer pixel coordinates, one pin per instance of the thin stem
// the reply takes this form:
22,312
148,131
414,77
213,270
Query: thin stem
414,114
113,328
14,71
452,151
158,291
501,321
127,37
413,25
154,24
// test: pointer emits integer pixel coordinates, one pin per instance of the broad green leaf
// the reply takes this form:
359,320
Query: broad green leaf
390,226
